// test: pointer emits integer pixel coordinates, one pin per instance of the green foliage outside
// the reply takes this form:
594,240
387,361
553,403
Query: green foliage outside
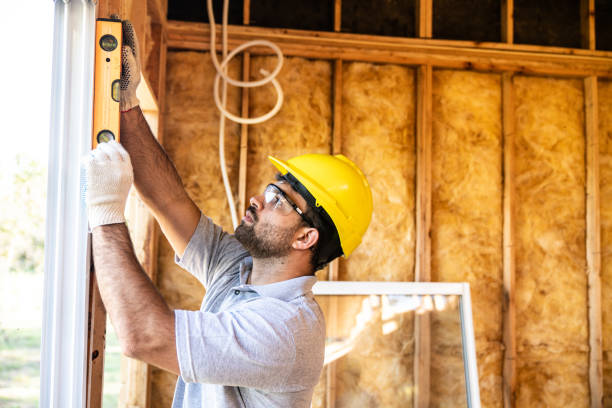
23,181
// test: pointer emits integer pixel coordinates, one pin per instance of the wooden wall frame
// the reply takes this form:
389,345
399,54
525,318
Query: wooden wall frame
426,54
149,20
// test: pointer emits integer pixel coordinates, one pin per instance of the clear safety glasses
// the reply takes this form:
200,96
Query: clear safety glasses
279,201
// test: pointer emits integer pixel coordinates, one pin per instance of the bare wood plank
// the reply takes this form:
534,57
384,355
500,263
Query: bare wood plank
507,21
423,204
96,342
337,15
157,11
593,242
508,306
422,352
587,23
409,51
96,333
152,66
107,8
333,269
246,12
337,89
424,18
244,137
199,32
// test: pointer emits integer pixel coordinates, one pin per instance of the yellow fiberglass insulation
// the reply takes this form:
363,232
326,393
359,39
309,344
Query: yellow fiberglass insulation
551,302
378,134
378,111
192,142
605,183
467,223
303,125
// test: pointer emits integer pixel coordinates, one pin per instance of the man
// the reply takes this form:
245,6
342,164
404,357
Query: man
258,340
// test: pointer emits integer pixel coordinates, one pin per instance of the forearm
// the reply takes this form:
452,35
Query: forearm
142,319
155,177
158,182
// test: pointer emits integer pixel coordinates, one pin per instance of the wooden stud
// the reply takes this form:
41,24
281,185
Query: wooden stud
246,12
96,333
500,57
587,23
422,324
337,15
244,129
424,18
95,344
593,242
334,266
508,305
507,21
107,8
244,137
157,11
337,90
423,205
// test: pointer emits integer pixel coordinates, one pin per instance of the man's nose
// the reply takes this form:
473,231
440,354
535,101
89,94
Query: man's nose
256,201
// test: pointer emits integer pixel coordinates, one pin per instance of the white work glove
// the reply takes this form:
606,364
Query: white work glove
130,68
109,175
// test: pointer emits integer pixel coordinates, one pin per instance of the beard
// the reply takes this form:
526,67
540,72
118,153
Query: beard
265,240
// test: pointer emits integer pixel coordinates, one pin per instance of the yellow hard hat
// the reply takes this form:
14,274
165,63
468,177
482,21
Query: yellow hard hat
339,187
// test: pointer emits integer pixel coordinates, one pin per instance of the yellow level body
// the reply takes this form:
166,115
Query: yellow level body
107,79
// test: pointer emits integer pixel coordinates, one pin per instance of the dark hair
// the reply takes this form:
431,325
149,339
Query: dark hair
327,248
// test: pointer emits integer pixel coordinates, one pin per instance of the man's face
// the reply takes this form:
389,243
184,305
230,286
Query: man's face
269,228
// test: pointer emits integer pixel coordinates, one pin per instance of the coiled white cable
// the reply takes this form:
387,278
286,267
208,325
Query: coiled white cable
221,101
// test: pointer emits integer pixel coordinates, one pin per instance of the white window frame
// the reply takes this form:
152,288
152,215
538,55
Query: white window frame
63,369
330,288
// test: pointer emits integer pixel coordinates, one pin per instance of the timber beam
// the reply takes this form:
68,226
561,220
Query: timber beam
527,59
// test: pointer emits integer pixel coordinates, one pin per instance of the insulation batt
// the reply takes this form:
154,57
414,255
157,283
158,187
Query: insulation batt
192,142
378,134
467,225
303,125
605,183
551,283
378,111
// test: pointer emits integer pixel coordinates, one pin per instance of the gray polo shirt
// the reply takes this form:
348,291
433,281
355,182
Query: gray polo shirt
248,345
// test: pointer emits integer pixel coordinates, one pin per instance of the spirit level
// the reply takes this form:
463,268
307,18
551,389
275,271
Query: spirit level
107,77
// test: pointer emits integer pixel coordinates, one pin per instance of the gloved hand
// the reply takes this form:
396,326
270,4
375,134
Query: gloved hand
109,176
130,68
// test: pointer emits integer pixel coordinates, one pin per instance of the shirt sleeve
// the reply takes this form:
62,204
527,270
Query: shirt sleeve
210,252
244,347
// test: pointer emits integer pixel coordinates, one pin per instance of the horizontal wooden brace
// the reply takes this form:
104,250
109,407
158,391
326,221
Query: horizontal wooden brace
528,59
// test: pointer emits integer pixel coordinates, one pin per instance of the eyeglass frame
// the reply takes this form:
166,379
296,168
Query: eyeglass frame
284,195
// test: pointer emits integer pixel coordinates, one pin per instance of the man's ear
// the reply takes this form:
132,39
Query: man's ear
307,237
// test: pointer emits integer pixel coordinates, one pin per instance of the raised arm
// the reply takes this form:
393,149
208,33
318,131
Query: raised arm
155,177
158,182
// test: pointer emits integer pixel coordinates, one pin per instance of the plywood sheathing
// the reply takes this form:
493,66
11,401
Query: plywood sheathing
192,143
467,220
378,122
551,318
605,175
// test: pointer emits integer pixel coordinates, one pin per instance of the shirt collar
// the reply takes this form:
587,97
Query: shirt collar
283,290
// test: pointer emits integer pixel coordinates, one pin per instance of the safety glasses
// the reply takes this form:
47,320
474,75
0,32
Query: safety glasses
277,200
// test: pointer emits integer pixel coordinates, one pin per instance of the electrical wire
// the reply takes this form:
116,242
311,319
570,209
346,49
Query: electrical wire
221,101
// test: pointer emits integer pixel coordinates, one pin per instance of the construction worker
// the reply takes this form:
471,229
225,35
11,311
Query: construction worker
258,339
